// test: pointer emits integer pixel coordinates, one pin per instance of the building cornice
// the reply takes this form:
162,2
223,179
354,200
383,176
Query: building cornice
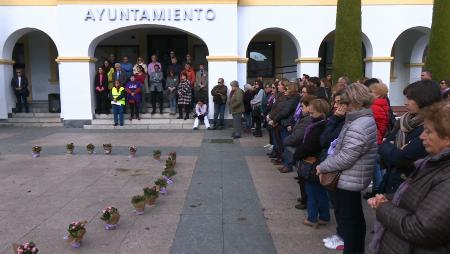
7,61
76,59
226,59
308,60
414,65
379,59
235,2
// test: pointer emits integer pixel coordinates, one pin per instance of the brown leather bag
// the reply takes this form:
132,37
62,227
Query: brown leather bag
330,180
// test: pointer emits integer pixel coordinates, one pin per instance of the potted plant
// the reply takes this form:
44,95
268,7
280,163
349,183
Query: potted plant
150,195
70,147
161,184
167,175
36,151
133,151
26,248
107,148
77,230
170,164
173,157
90,148
157,155
138,202
111,216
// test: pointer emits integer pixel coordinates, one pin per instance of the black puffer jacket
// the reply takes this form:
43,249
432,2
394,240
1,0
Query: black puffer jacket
284,109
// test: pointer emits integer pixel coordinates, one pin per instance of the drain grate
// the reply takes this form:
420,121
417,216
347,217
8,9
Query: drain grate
221,141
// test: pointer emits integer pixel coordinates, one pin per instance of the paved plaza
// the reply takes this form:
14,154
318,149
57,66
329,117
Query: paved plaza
227,196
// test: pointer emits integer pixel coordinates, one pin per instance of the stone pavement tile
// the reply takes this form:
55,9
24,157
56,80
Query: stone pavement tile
254,142
7,135
201,234
150,234
307,243
121,139
242,238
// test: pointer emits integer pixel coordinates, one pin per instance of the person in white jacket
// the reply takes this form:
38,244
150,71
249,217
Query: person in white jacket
201,111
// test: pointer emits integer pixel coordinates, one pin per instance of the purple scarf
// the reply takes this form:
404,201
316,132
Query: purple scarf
312,126
298,112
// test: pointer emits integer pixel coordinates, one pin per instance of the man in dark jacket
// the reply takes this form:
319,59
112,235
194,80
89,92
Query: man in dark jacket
19,84
219,94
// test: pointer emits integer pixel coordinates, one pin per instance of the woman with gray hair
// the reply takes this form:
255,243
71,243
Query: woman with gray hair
354,156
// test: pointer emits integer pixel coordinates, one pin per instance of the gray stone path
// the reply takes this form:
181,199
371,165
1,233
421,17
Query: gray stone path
222,212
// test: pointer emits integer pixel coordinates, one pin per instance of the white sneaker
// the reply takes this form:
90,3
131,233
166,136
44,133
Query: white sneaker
267,146
331,238
334,244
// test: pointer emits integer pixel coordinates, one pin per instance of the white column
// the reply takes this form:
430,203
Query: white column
242,70
379,67
7,99
308,65
415,69
225,67
76,89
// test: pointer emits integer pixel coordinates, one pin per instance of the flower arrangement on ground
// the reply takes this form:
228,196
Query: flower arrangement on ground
90,148
150,195
70,147
111,216
77,230
170,164
173,157
167,175
157,154
26,248
161,184
36,151
133,150
138,202
107,148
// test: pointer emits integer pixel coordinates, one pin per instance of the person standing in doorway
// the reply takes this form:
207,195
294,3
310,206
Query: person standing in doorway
236,108
101,92
174,66
201,79
184,96
127,67
156,89
118,97
219,94
134,89
119,75
19,84
172,84
153,63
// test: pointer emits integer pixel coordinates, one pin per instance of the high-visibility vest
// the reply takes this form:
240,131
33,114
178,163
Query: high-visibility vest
116,94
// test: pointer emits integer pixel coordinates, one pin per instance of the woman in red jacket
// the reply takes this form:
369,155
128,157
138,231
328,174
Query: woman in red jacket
380,109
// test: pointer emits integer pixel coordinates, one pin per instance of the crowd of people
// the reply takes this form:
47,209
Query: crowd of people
349,133
122,85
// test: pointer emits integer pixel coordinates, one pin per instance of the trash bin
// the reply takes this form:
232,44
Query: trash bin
54,103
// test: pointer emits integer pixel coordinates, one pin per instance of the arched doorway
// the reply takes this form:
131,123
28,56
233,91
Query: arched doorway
144,42
326,54
409,52
34,54
272,53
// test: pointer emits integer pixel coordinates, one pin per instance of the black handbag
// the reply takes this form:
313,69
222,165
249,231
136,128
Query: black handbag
307,169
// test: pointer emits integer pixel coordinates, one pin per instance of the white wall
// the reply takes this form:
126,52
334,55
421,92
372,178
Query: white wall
40,66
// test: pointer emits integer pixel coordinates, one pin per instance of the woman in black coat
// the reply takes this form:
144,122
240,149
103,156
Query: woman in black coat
101,92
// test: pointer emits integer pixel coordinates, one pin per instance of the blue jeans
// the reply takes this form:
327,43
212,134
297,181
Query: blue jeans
219,111
118,113
288,158
377,177
173,104
317,203
248,120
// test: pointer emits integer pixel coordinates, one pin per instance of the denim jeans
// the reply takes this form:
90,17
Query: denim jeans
288,157
377,177
118,113
317,204
219,111
248,120
21,100
173,104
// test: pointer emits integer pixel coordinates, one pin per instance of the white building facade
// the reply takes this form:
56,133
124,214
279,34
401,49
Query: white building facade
59,40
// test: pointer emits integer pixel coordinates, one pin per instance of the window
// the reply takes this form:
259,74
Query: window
261,61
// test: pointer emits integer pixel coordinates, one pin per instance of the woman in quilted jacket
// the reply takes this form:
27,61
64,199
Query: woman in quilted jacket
417,218
355,157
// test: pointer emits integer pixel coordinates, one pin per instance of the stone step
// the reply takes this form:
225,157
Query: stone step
142,116
34,120
145,121
27,115
139,126
31,125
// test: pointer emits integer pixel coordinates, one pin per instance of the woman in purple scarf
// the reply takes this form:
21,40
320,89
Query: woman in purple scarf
133,89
